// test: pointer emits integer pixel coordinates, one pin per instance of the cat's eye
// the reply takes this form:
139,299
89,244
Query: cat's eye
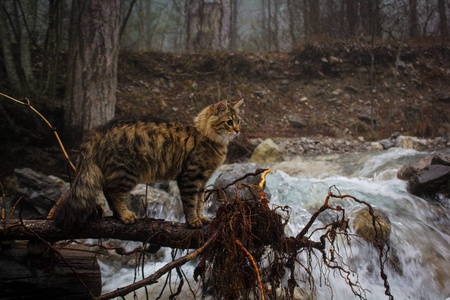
230,122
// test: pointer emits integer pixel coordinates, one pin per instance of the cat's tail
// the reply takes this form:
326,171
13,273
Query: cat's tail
75,210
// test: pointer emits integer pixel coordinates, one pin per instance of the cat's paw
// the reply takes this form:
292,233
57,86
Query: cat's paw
195,223
128,217
205,220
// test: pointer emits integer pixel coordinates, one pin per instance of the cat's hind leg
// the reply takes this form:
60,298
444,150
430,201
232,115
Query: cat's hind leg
116,202
116,190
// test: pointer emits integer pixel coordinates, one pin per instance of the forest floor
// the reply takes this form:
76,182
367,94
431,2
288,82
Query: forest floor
336,89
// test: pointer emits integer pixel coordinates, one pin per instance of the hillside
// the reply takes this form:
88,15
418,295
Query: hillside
320,89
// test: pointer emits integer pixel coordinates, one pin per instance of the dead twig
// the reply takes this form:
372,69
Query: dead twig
121,292
27,103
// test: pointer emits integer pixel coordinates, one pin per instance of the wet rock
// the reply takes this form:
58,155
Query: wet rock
431,180
409,171
266,152
428,176
229,174
377,146
410,142
362,223
441,159
158,203
387,144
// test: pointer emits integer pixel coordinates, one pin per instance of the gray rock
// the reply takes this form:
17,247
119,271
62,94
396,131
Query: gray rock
367,116
430,180
377,146
387,143
266,152
410,142
297,121
444,96
409,171
246,188
40,192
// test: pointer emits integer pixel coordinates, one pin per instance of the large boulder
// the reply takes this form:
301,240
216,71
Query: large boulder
247,187
430,180
34,192
406,172
428,176
410,142
362,223
266,152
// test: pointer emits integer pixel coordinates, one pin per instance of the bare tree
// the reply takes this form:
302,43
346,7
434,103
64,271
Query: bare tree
7,47
370,17
413,19
17,24
208,25
314,17
92,64
294,11
351,12
443,23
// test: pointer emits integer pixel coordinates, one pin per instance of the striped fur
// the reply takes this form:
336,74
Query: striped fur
117,156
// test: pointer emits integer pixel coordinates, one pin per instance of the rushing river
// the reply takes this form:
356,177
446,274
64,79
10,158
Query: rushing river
419,240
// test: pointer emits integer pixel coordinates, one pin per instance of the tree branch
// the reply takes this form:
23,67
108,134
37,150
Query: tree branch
163,233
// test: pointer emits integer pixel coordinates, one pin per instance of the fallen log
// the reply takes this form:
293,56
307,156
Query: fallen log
146,230
46,276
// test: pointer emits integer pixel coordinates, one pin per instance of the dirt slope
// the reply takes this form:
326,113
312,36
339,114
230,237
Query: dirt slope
319,89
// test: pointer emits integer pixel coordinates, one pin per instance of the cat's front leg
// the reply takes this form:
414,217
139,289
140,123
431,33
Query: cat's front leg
200,202
190,210
191,185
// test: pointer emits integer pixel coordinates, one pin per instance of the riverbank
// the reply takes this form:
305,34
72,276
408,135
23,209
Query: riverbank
295,146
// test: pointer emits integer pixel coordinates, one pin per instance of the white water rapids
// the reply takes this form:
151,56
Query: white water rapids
419,241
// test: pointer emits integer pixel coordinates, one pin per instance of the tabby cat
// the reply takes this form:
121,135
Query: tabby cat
117,156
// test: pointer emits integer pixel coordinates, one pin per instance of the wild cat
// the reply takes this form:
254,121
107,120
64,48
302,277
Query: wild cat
117,156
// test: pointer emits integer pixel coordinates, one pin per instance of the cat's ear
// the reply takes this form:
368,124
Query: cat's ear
238,103
221,106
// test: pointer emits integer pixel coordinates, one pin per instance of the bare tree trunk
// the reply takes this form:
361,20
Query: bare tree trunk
314,16
443,23
413,19
370,17
306,17
208,25
233,25
53,44
8,57
28,12
276,26
92,64
294,12
352,16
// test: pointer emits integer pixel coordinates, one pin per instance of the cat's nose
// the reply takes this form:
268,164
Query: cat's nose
236,129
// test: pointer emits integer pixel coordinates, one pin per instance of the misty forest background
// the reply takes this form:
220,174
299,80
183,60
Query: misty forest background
331,67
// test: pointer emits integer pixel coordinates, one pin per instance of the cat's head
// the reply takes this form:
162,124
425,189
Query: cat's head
220,122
